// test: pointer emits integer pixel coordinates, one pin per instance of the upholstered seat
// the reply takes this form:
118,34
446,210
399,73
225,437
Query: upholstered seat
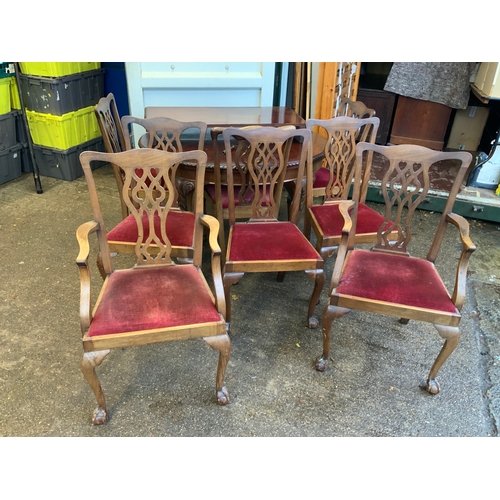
321,178
395,279
179,226
210,190
251,242
142,299
329,218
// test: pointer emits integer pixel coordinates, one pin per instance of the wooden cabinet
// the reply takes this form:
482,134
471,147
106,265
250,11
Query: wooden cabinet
383,103
420,122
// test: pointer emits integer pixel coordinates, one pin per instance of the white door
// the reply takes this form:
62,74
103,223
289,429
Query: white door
216,84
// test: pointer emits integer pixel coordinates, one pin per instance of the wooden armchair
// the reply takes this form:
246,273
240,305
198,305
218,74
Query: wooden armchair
386,279
340,153
157,300
256,159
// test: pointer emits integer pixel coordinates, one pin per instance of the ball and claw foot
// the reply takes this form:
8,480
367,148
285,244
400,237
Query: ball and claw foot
433,386
313,322
99,417
223,396
321,365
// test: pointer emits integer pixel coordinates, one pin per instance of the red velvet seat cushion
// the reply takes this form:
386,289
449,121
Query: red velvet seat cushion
321,177
210,189
145,299
395,279
180,228
270,241
332,222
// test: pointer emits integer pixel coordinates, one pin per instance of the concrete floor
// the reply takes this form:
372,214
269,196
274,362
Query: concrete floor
371,388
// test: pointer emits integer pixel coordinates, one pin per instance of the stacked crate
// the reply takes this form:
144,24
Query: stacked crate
11,148
59,99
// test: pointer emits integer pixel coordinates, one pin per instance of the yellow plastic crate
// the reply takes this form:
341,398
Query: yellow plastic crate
54,69
5,106
15,101
65,131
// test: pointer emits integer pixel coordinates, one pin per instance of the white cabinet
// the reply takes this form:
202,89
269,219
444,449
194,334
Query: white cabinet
216,84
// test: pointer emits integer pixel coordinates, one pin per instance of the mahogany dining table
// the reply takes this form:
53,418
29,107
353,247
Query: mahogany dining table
229,116
234,117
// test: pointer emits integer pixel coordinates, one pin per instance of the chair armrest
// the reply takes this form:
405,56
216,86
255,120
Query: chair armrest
82,235
344,207
213,225
458,221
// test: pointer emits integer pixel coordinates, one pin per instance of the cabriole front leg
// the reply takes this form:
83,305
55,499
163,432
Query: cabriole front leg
221,343
89,362
451,334
329,314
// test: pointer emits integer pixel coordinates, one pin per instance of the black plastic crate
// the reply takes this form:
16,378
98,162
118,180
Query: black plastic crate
58,96
10,163
8,136
64,164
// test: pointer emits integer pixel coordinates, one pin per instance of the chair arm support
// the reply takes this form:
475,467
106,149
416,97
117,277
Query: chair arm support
82,235
458,221
344,207
213,225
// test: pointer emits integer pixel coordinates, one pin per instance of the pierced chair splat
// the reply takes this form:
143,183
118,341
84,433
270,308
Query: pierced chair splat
157,300
387,280
256,159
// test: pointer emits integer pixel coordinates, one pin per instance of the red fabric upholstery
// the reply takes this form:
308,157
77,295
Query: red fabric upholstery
180,227
144,299
395,279
321,177
210,189
270,241
331,221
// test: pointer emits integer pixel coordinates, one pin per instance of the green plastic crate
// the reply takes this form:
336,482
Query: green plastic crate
65,131
54,69
5,105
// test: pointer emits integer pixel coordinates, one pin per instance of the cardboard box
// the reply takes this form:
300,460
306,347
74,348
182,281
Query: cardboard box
468,127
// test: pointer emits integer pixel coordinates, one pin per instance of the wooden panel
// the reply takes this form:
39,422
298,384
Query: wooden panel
383,104
335,80
420,122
